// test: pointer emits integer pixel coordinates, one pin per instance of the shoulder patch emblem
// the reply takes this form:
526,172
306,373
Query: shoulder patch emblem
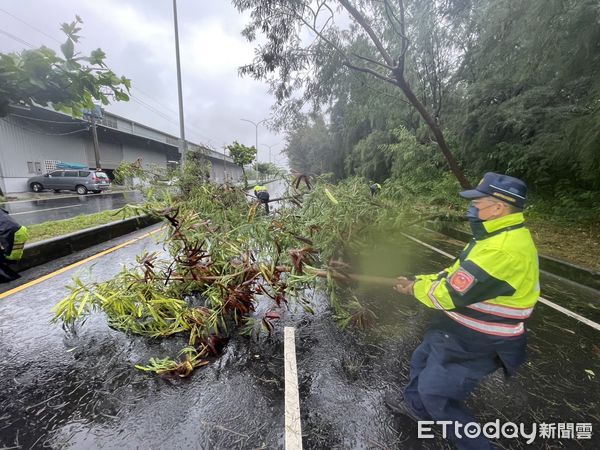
461,281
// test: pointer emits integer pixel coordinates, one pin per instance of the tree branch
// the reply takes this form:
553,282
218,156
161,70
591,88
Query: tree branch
314,30
405,42
364,24
389,11
385,66
370,71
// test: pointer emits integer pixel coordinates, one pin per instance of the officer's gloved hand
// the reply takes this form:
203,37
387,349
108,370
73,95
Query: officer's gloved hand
404,285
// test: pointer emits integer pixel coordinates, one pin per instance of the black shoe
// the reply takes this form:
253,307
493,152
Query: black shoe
399,406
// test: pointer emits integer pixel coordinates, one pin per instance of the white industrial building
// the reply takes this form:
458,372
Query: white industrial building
33,140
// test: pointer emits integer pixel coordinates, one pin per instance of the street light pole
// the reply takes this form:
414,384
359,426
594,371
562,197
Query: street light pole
182,142
256,124
270,147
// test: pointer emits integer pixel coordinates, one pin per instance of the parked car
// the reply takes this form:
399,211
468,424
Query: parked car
171,182
80,181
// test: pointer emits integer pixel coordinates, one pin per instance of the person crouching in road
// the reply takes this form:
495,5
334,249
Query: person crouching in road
12,242
263,195
482,301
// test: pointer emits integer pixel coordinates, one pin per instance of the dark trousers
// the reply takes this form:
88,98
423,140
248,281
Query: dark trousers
264,199
6,272
442,375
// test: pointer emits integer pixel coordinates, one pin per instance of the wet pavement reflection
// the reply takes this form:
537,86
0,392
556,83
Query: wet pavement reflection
65,389
39,211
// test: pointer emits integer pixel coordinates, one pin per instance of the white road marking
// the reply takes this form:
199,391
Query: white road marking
76,264
570,313
547,302
431,247
293,427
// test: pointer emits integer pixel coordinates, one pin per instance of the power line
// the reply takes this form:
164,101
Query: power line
199,136
30,26
153,109
45,120
44,134
18,39
144,103
136,88
164,116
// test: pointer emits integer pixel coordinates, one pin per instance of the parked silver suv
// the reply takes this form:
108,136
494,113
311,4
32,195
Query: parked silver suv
80,181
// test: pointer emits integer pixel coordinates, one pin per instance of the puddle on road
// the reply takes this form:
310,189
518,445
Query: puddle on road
347,374
82,391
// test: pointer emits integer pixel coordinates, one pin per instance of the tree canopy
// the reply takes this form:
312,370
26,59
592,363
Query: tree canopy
70,83
376,42
513,86
242,155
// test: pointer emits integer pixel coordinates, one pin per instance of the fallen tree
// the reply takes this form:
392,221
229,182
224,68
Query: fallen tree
223,255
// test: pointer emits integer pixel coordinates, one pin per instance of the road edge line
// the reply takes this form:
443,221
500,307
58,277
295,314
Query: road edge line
75,264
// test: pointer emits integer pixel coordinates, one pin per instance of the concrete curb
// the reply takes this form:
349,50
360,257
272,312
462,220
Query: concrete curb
555,266
44,251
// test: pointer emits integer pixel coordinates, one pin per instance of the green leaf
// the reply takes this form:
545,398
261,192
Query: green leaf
97,57
67,49
121,96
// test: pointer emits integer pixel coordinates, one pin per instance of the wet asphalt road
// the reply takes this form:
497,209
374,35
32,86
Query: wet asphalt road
27,212
65,390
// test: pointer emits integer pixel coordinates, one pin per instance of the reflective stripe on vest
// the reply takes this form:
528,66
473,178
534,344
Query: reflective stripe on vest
509,312
496,329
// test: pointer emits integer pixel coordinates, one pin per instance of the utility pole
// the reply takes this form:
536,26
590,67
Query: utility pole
93,116
96,144
224,171
182,141
256,124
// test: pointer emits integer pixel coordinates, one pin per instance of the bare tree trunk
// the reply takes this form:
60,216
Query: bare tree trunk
244,177
397,68
436,130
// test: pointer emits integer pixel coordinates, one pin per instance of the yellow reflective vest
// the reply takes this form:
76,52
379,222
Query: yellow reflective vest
21,236
493,285
259,188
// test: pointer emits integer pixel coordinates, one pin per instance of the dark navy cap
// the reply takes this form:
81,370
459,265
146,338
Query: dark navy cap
508,189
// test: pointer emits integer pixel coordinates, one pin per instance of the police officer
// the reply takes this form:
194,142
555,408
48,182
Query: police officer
263,195
375,188
12,242
482,303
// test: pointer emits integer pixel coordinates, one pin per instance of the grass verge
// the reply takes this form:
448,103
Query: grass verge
47,230
571,241
568,240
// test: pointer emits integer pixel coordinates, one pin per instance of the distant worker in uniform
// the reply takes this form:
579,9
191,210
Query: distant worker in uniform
375,188
263,195
482,301
12,241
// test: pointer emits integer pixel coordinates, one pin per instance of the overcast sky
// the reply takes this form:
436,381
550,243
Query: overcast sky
138,38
